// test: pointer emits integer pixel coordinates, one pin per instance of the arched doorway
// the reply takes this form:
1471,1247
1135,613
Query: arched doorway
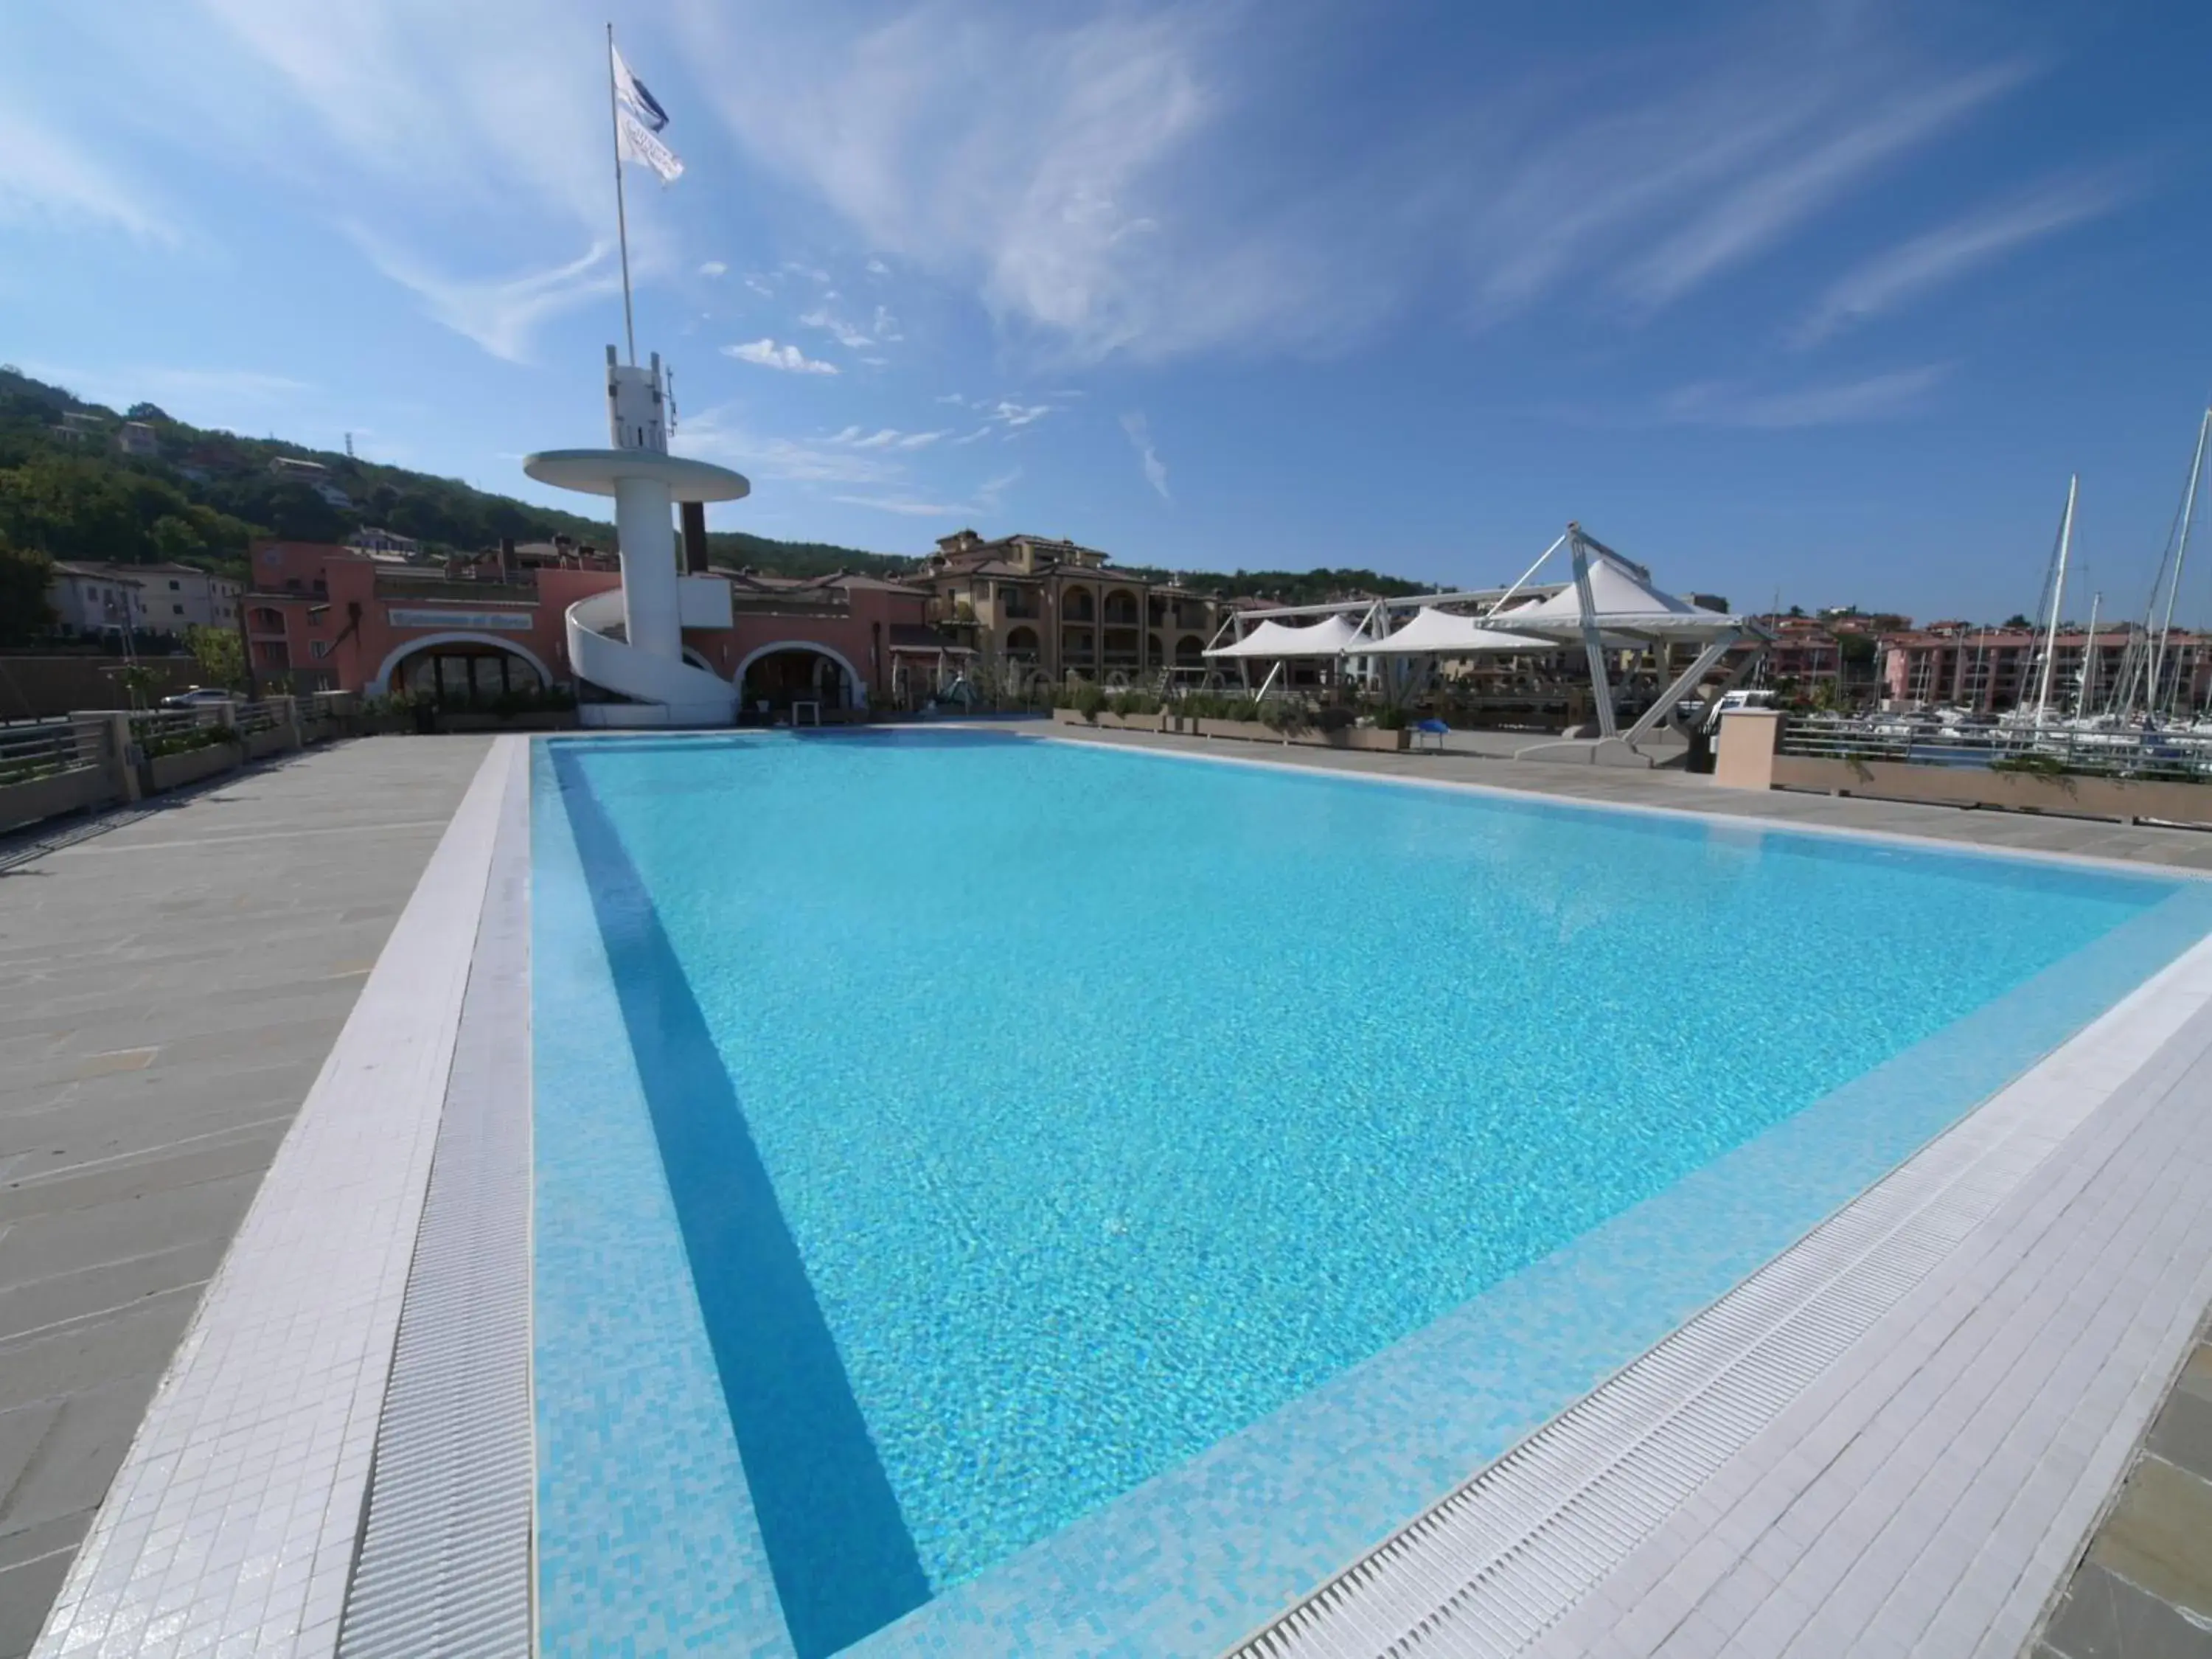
1190,651
1022,645
774,678
466,674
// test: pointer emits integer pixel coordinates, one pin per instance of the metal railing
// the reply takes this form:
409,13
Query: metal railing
2180,753
35,749
252,717
152,727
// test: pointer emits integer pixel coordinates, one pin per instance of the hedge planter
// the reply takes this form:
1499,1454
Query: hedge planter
2072,796
1356,736
174,771
78,790
1250,731
1068,717
547,720
273,741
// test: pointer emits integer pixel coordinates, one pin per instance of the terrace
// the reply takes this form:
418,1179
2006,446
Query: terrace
191,988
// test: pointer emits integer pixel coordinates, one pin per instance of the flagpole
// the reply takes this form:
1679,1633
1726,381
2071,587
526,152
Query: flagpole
621,217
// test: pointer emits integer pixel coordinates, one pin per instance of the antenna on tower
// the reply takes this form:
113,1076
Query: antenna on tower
349,446
671,400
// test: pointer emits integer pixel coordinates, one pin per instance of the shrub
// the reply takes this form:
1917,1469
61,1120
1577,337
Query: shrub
2032,764
191,738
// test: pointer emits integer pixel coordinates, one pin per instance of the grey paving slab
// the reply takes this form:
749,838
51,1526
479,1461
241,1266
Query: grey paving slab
2103,1616
171,981
234,1519
1679,791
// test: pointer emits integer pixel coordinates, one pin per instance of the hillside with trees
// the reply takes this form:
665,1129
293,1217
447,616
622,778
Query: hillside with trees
206,494
203,495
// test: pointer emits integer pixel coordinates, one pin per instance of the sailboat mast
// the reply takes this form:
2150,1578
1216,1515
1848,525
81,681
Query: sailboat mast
2180,554
2088,659
2057,599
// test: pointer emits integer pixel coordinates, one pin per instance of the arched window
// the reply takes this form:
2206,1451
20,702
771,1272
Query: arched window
461,675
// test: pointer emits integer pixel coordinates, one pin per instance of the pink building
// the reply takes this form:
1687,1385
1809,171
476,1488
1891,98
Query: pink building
464,633
1994,668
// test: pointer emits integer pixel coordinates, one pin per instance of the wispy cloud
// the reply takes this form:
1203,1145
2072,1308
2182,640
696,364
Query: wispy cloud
719,434
401,89
843,333
884,332
769,355
1014,414
1147,197
1945,254
985,499
854,437
48,176
501,315
1760,208
1140,439
1876,398
244,384
713,268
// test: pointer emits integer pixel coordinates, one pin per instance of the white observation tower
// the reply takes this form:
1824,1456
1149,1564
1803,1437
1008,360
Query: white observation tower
654,603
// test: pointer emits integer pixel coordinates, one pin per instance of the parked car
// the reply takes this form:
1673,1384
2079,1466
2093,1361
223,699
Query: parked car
200,696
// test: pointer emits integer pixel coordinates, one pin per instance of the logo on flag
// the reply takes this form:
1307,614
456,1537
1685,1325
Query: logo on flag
638,119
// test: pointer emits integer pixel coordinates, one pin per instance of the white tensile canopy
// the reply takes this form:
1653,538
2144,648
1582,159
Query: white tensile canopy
1621,602
1442,634
1332,636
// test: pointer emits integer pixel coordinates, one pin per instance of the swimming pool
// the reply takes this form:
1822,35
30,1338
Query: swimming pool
965,1162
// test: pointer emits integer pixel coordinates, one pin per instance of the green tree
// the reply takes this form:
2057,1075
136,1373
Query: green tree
221,656
175,538
24,613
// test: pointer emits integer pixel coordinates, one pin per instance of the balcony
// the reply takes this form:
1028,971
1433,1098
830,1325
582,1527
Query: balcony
451,590
797,601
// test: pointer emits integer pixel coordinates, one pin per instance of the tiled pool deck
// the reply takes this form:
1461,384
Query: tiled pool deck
1928,1487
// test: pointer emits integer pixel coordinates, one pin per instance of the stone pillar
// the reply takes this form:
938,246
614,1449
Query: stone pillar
1749,739
288,718
119,756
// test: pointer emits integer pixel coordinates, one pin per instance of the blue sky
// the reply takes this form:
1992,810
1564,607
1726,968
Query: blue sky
1820,299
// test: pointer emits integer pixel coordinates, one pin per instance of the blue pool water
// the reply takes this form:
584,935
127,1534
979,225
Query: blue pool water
1026,1119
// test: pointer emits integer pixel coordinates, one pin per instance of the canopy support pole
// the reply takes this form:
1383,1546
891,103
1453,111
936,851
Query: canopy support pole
1682,686
1593,640
1523,580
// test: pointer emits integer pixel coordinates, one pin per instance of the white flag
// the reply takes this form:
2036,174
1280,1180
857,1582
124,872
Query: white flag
639,119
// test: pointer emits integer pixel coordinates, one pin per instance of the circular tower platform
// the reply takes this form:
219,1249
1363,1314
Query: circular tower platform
596,471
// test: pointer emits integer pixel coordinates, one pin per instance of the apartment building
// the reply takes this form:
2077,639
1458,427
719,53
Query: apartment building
1042,606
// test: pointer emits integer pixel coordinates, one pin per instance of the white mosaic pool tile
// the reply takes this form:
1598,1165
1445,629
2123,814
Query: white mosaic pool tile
232,1525
1730,1491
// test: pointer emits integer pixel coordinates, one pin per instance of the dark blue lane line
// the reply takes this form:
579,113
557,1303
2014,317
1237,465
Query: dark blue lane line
843,1561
